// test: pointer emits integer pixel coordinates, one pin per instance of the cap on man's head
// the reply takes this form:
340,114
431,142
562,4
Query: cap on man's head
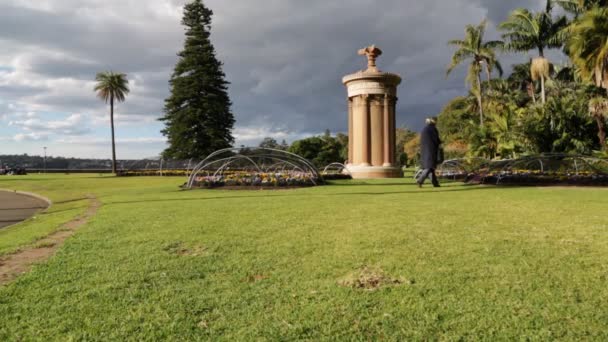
431,121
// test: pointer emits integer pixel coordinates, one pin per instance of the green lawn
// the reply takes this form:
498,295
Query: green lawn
157,263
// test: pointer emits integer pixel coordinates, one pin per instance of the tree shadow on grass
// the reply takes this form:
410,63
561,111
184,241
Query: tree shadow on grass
419,192
370,184
274,194
397,182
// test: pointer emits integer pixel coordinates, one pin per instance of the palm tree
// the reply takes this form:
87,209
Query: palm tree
588,46
578,7
483,58
598,109
527,31
112,86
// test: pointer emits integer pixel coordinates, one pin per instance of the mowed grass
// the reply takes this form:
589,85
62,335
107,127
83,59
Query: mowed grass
157,263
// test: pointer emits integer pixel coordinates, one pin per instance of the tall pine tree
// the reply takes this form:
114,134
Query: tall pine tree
197,116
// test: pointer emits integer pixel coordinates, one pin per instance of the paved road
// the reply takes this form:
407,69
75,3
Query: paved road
16,207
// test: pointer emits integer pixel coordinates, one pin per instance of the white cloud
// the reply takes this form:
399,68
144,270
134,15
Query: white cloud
104,141
30,137
72,125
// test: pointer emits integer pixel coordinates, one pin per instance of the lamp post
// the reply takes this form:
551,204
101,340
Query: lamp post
44,159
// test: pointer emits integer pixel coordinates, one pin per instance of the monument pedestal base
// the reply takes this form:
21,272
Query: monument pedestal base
373,172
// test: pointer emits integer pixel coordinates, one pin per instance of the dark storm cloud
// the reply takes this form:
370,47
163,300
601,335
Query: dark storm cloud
284,59
99,41
295,60
59,66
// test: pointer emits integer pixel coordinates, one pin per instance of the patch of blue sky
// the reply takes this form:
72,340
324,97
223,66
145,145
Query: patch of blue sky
6,130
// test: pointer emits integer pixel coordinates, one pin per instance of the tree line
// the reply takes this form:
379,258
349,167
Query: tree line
541,106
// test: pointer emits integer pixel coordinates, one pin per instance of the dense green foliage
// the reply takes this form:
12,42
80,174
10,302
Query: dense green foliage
112,87
197,116
516,125
157,263
407,146
322,150
571,116
269,142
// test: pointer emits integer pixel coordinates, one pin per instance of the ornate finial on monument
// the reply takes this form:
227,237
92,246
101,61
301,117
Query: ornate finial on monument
372,52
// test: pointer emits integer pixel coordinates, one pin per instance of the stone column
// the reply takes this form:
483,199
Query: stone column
357,130
387,132
351,138
377,130
365,130
393,128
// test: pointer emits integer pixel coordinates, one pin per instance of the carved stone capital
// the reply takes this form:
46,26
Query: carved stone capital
372,53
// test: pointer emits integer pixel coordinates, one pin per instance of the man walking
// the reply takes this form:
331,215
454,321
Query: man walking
429,146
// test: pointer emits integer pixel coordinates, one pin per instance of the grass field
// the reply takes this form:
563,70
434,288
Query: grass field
351,261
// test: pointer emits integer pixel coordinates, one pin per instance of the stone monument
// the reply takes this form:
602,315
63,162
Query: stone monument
372,97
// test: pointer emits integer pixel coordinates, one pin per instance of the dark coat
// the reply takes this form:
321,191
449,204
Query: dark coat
429,147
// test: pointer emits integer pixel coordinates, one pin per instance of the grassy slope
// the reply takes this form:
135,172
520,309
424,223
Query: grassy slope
69,195
158,263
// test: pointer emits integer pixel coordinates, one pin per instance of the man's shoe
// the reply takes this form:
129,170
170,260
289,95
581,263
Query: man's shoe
419,185
436,186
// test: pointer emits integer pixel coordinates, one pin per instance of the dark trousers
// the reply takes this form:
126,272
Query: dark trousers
425,175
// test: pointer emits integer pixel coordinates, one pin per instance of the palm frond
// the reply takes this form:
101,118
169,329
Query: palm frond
111,85
588,43
498,67
458,57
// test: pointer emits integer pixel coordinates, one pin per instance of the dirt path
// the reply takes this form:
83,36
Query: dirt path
13,265
16,207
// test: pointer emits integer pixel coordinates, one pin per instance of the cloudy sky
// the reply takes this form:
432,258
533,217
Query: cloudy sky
284,59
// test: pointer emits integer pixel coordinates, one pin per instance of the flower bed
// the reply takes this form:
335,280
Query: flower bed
253,168
255,180
546,178
543,170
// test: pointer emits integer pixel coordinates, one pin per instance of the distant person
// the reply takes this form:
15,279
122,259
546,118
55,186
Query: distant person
429,152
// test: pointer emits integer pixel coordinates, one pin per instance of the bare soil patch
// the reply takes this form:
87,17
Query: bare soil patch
371,278
183,249
254,278
13,265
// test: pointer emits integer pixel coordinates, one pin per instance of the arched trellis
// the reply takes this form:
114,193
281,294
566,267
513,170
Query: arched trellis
548,169
459,168
227,162
336,171
543,169
339,166
254,160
